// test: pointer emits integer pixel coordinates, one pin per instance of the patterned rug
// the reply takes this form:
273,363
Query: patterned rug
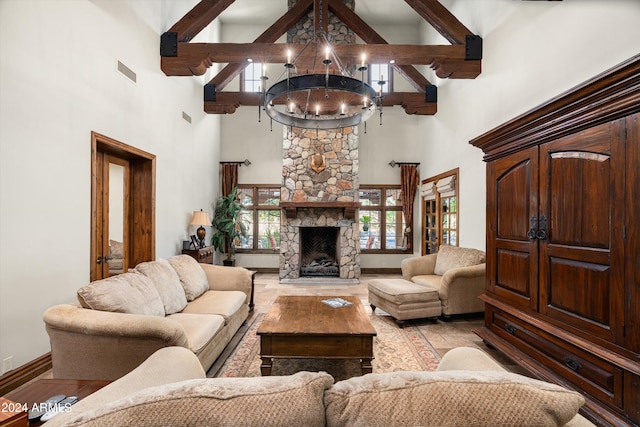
394,349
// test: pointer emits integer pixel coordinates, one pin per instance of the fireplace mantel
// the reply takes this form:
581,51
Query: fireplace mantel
349,208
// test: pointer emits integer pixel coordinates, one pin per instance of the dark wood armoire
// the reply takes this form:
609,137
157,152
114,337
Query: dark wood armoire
563,242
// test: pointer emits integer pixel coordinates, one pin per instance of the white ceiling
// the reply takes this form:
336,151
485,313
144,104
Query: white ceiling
371,11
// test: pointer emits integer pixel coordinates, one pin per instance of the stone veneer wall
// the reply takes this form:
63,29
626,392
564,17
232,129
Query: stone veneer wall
338,32
338,182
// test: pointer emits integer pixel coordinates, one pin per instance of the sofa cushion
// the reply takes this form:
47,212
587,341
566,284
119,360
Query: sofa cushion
454,257
224,303
200,328
116,249
192,276
453,398
428,280
295,400
125,293
167,282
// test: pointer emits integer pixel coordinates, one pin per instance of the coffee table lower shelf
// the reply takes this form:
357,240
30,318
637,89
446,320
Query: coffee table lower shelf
316,347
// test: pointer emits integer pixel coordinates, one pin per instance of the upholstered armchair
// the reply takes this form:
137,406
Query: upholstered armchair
457,273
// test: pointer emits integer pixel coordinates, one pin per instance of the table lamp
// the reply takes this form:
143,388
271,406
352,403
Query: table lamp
201,218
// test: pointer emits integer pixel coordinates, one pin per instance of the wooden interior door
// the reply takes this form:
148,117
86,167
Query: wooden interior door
512,201
138,204
582,197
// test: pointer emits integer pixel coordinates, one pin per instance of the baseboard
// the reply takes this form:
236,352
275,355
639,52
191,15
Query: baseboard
381,271
25,373
268,270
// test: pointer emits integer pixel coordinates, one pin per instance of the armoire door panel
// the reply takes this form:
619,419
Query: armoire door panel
513,275
580,195
583,218
513,200
579,293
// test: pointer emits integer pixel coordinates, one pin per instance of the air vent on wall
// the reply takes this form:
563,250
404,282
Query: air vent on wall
186,117
127,72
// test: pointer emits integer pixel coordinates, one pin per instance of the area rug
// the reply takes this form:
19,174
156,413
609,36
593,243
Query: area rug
394,349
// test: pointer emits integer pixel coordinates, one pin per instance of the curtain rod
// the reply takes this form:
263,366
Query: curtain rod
245,162
393,163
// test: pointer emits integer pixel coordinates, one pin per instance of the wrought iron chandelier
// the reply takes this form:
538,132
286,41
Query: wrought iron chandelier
320,100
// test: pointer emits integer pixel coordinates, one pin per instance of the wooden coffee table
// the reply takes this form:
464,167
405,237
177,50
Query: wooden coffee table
303,327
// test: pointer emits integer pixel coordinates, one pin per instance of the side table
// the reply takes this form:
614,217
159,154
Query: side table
203,255
40,390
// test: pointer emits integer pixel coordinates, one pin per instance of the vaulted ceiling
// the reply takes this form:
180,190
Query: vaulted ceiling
460,59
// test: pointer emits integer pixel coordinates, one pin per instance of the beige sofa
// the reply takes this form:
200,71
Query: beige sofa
469,389
120,321
457,273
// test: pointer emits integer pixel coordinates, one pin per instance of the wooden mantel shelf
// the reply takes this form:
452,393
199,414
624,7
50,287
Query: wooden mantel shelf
349,208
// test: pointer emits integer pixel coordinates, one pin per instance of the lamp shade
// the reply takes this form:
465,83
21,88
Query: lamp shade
200,218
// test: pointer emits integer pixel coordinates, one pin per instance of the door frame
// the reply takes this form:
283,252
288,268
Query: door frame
141,245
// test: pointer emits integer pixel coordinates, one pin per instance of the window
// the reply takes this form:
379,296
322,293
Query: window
261,212
250,77
440,211
378,72
381,220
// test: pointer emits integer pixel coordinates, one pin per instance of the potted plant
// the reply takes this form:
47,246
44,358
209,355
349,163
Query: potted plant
228,226
365,220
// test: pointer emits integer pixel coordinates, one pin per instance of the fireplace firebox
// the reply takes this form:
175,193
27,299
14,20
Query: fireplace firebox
319,252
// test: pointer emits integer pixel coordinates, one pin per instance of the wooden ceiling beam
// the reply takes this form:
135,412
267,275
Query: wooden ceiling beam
370,36
228,102
441,19
194,58
456,68
198,18
270,35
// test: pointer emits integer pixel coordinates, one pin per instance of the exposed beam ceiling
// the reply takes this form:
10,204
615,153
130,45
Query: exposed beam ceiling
460,60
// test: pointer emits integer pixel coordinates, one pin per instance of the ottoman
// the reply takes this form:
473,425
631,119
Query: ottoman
404,300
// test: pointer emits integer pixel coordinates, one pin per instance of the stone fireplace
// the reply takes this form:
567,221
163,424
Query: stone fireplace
319,193
320,198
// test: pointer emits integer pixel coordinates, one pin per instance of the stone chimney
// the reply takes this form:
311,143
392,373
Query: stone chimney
319,173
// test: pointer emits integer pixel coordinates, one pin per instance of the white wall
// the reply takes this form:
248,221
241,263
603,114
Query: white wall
59,82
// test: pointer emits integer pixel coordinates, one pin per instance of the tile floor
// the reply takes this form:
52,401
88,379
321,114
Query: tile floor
444,336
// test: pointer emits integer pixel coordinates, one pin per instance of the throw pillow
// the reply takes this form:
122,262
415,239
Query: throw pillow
167,282
125,293
117,249
452,398
192,276
454,257
295,400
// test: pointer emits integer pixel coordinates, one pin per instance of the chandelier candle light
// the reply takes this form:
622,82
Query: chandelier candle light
346,101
